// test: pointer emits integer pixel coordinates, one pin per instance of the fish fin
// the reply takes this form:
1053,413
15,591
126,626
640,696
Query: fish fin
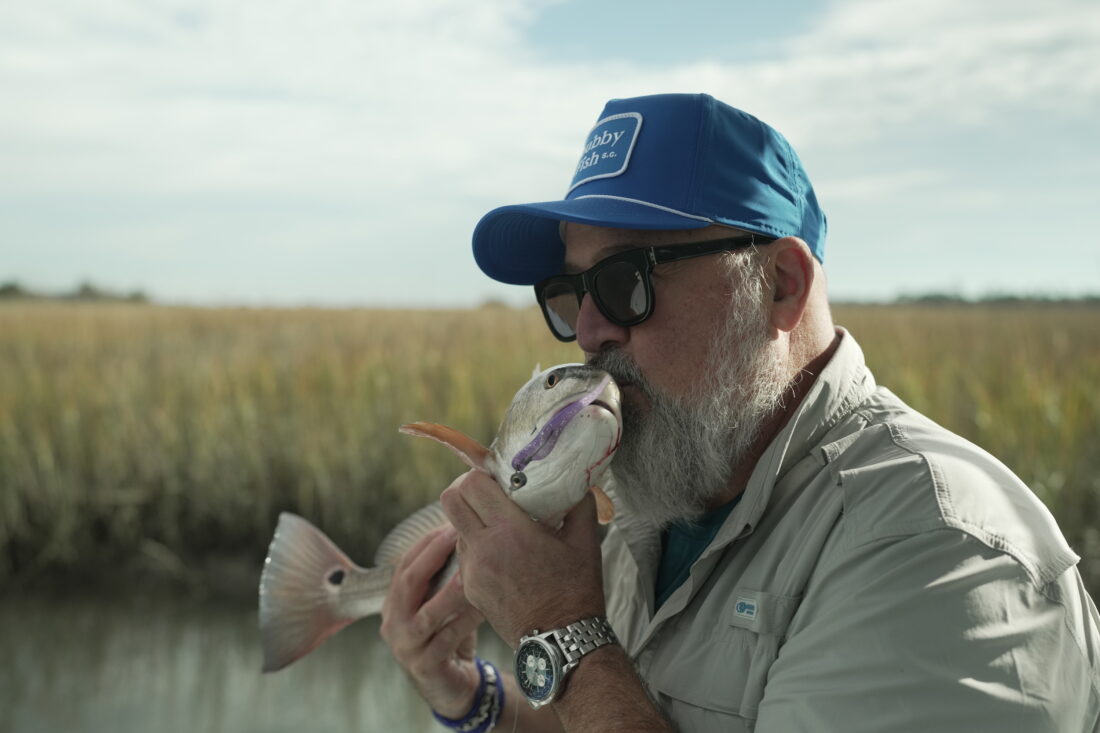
536,371
605,508
298,608
472,453
402,537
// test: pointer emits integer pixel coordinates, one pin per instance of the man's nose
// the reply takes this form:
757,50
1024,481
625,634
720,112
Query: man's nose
594,331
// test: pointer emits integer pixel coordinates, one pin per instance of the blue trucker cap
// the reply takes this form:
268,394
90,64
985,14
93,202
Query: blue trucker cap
666,161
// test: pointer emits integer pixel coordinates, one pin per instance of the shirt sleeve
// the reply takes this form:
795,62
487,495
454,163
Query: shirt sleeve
934,632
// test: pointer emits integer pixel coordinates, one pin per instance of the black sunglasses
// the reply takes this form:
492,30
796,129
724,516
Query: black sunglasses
620,284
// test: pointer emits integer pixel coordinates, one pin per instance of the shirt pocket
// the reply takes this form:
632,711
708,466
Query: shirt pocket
719,662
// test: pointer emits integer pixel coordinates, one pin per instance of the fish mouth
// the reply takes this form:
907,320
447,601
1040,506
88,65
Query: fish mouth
609,399
604,405
607,402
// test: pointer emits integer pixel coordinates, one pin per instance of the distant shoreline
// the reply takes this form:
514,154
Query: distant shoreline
12,291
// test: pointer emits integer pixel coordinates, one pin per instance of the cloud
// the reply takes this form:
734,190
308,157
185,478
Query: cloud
870,67
411,119
873,187
283,94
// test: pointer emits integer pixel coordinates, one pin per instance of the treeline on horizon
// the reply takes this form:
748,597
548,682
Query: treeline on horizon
86,291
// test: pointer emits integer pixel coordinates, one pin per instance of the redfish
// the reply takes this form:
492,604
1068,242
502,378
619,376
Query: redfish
555,443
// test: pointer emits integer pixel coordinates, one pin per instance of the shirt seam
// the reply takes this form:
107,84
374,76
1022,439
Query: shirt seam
994,541
1078,643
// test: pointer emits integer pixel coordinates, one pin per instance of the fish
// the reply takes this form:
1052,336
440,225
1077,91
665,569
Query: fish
555,444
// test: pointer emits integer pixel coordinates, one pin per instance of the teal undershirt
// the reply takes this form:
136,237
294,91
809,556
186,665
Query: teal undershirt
682,544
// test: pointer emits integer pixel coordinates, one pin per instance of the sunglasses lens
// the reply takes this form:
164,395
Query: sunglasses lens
561,306
622,292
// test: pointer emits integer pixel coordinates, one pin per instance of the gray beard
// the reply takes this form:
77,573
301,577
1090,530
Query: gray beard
677,457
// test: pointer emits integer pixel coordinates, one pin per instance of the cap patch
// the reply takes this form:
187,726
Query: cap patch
607,148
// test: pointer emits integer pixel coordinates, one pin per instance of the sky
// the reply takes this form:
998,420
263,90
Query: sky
340,152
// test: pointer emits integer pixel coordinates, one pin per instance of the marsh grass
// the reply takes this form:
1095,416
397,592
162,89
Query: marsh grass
172,437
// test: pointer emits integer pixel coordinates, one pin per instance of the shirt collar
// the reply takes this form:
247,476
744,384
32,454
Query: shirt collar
842,385
839,389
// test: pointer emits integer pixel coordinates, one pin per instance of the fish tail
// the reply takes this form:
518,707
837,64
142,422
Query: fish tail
300,592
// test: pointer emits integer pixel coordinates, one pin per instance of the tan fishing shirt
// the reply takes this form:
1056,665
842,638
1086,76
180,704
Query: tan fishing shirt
879,574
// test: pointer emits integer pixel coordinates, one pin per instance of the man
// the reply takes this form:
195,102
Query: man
796,549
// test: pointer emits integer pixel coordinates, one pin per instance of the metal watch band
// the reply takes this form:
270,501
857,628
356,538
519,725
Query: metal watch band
579,638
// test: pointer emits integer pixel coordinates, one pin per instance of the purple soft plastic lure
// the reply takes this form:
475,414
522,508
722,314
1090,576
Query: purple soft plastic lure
544,442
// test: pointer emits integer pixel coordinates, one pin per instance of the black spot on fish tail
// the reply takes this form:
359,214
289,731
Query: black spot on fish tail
336,577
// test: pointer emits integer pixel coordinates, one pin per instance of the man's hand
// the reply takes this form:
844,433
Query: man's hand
434,640
521,574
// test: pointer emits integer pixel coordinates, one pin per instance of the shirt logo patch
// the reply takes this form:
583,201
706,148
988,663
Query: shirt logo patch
745,608
607,148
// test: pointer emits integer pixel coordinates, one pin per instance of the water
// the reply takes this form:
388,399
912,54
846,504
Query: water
169,664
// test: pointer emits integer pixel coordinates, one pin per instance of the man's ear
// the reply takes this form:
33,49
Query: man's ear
793,271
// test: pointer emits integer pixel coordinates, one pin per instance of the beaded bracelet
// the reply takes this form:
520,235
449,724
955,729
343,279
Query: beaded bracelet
488,702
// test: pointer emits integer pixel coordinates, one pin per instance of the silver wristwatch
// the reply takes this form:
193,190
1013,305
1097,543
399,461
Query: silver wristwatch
543,661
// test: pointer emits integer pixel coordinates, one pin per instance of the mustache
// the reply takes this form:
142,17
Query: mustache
620,366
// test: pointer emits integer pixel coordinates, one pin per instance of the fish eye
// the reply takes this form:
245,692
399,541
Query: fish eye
519,480
552,380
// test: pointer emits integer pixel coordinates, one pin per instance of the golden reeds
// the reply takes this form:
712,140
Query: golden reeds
173,433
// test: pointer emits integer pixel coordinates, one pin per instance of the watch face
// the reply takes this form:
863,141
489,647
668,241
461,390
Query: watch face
536,671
